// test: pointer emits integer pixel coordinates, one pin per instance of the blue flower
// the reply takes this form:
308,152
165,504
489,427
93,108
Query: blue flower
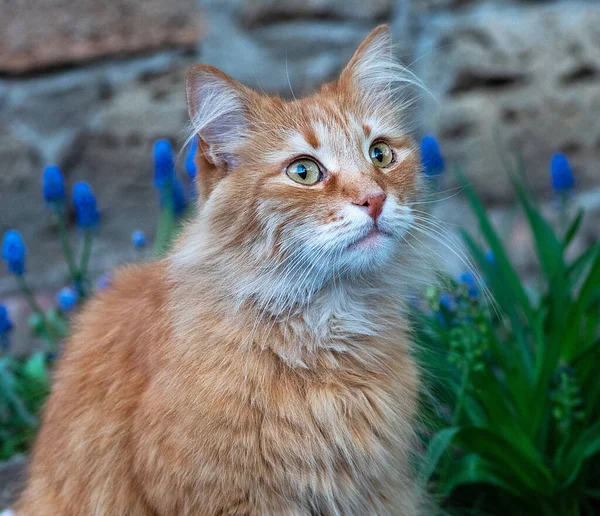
190,164
104,281
14,252
165,178
431,156
6,324
67,299
53,185
164,164
85,206
561,173
138,239
447,302
6,327
179,198
490,257
468,279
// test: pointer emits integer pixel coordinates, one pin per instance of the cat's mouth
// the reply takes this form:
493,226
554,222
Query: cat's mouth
370,240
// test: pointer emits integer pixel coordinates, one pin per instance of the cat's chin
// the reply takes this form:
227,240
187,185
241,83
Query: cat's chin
375,239
370,252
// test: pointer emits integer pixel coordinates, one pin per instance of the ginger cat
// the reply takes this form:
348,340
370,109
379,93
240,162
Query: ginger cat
264,366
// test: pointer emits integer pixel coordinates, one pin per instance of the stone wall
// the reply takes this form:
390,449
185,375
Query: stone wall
519,75
51,33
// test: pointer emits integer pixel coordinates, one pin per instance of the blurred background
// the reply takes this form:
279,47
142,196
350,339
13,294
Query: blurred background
91,85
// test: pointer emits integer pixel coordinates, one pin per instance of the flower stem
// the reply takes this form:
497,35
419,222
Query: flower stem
164,231
35,307
563,209
461,395
66,247
88,238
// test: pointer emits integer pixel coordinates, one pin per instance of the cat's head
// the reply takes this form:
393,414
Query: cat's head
301,193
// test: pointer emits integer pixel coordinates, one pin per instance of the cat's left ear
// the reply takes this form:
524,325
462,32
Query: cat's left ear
218,107
372,69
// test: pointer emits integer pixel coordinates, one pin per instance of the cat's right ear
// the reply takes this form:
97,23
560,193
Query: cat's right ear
217,105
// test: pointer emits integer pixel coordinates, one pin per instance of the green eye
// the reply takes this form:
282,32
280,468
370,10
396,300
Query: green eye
304,171
381,154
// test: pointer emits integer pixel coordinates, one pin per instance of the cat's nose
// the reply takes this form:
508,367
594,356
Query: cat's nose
372,202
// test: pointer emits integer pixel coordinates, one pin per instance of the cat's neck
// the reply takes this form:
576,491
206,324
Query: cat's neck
294,321
339,319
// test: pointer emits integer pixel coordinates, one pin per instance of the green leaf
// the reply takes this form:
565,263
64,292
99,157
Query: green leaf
36,368
504,294
60,326
472,469
586,447
550,254
505,269
521,464
589,288
573,228
581,264
437,446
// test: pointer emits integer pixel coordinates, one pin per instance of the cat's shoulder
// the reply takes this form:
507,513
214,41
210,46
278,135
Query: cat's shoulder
133,307
132,287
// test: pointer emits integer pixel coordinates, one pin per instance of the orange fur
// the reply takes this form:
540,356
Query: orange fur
264,367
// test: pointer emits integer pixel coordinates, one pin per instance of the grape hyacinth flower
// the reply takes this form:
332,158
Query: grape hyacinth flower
190,166
490,257
447,302
138,239
53,186
169,186
6,324
67,299
53,190
164,164
14,252
561,173
431,156
85,206
468,279
190,163
179,198
104,281
6,327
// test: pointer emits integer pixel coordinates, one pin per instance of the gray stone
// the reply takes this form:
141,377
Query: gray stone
270,45
264,12
522,81
12,477
37,35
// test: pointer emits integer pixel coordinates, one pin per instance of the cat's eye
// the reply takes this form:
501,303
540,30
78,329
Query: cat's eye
304,171
381,154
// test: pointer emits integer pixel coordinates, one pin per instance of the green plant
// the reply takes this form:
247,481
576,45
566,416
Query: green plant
515,422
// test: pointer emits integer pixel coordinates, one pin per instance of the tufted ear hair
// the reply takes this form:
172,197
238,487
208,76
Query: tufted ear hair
217,106
373,71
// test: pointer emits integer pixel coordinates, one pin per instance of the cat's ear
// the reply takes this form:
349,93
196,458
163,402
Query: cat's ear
217,106
372,68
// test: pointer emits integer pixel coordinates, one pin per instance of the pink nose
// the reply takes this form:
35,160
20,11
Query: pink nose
373,203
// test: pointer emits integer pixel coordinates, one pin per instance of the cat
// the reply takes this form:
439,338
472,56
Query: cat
265,365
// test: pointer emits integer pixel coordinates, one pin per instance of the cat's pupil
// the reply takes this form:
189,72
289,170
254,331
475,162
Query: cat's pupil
301,171
377,154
